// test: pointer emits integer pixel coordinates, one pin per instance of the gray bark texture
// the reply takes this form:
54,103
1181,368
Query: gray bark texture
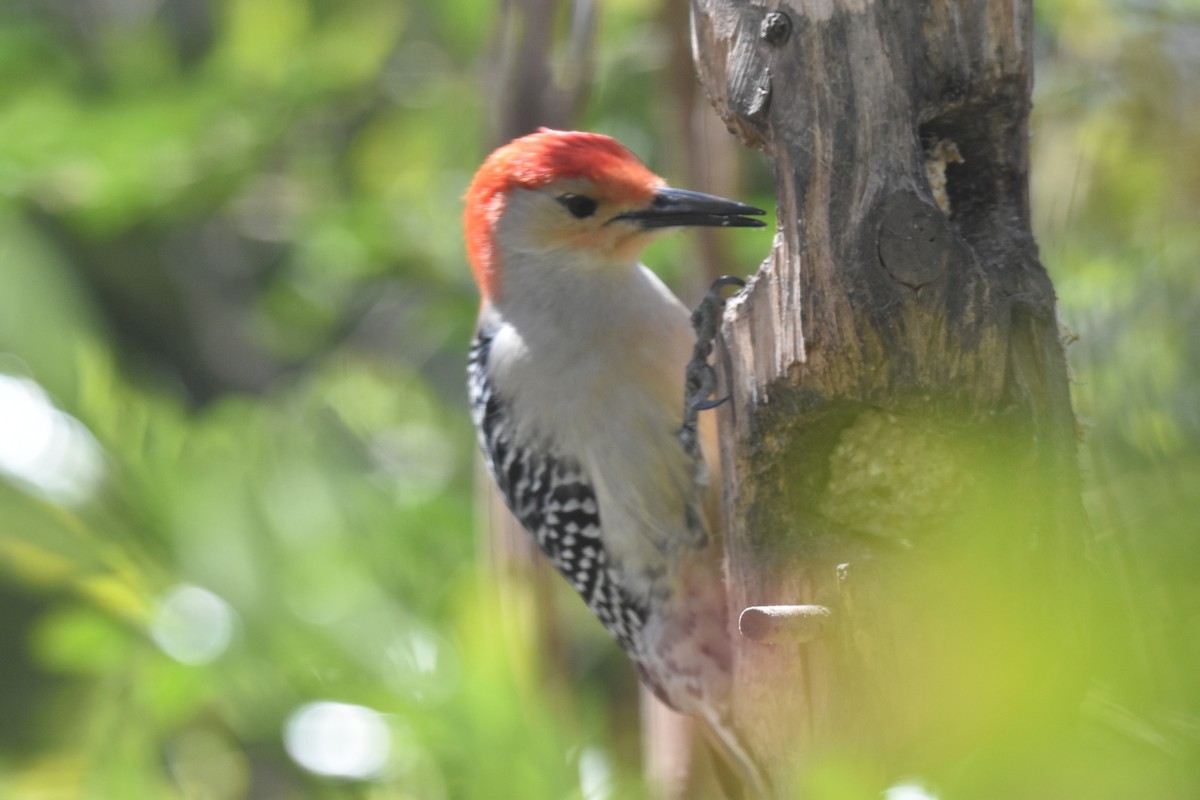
900,448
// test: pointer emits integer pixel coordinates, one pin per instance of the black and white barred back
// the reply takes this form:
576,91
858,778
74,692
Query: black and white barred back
552,497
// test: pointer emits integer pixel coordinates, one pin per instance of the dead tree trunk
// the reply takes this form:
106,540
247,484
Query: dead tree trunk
900,445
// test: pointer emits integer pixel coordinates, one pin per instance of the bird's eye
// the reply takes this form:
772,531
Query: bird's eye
580,205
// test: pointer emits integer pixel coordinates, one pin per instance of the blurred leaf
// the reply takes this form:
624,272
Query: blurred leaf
81,640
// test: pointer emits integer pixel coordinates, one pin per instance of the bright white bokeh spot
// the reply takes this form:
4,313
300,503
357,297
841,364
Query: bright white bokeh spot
338,739
43,448
419,652
192,625
595,775
909,791
424,667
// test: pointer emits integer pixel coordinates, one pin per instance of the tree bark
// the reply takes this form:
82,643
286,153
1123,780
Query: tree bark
900,444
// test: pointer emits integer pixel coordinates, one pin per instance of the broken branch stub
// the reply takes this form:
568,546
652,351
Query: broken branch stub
783,624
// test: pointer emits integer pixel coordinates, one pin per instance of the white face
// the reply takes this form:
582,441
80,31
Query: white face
576,217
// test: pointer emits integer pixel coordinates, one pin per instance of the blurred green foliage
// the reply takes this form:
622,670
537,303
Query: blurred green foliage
237,549
1116,193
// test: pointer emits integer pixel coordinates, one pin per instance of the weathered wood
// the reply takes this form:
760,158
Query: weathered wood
900,445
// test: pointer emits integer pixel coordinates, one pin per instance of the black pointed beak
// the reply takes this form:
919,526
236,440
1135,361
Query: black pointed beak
673,208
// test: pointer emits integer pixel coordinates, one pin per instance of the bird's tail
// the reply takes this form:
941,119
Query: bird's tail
740,775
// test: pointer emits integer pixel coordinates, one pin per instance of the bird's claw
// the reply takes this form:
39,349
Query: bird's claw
708,405
727,280
703,379
707,383
706,315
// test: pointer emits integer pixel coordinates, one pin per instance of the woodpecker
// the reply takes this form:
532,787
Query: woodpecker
575,382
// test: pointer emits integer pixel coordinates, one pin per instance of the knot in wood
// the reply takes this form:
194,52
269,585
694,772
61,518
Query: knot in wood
916,246
776,28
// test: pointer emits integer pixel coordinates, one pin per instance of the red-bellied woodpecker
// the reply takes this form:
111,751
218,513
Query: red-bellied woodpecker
576,378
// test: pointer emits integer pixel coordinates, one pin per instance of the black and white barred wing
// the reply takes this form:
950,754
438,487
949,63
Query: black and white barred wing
552,498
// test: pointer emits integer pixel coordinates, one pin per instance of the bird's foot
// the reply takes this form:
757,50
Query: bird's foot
700,379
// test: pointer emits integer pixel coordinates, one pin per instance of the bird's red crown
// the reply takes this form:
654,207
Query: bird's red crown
534,161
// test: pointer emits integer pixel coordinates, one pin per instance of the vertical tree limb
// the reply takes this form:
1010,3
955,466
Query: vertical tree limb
900,446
